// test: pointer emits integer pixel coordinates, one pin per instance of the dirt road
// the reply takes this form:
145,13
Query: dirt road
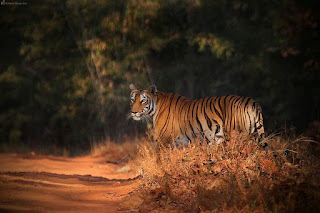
32,183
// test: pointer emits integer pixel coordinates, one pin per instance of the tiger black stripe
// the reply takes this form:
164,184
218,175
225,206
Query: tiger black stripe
242,116
186,117
205,105
233,102
175,108
217,127
227,116
236,105
158,112
246,104
216,122
249,121
187,105
179,114
193,133
219,104
225,105
231,113
197,118
216,111
167,120
209,123
192,109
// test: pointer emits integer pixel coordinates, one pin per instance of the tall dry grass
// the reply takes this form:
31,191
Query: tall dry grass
235,176
116,152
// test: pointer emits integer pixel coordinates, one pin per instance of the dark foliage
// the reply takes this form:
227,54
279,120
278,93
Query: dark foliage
66,65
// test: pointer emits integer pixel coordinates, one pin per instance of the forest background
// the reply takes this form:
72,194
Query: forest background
66,66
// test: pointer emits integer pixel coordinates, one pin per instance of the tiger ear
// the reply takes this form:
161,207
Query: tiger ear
153,89
132,87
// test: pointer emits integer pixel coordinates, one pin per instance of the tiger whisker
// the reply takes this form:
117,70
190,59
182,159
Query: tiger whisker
129,116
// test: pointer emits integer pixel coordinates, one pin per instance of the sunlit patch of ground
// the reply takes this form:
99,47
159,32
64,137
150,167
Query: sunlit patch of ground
32,183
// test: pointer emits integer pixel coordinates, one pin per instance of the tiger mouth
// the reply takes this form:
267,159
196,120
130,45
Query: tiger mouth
136,117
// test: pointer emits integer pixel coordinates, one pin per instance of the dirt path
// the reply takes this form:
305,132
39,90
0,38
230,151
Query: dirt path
31,183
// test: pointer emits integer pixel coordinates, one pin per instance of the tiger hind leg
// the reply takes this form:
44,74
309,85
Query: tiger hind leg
261,137
213,138
219,136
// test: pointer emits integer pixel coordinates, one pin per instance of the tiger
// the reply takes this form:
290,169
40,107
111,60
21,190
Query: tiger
179,119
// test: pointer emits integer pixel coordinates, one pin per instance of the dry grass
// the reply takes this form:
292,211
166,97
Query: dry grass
116,152
236,176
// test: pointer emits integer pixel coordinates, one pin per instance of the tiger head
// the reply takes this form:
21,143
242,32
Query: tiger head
143,102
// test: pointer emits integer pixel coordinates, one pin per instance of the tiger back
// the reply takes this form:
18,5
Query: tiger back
178,119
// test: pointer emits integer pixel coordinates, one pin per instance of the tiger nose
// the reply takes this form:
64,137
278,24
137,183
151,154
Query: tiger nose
133,112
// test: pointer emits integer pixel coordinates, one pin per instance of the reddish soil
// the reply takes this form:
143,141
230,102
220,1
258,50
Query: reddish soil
32,183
